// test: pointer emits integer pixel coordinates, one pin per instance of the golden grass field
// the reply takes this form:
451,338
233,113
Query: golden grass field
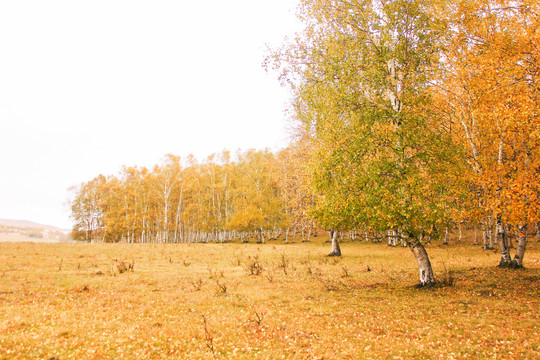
201,301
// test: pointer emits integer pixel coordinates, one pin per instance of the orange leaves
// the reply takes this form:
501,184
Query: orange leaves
489,95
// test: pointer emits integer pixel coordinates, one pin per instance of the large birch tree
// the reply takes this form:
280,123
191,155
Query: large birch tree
359,72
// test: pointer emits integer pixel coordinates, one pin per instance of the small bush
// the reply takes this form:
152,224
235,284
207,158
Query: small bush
123,266
253,266
284,263
222,287
197,285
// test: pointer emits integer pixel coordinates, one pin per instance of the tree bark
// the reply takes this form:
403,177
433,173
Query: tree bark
521,247
485,235
537,226
336,251
424,265
492,237
261,236
502,235
488,234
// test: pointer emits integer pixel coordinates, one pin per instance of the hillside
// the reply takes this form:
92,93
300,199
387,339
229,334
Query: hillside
29,231
29,225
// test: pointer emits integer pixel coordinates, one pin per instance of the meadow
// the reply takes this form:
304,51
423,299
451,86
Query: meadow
270,301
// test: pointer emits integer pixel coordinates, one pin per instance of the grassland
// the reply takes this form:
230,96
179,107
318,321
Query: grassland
272,301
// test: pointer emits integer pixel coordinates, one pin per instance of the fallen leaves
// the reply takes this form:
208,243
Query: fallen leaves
72,313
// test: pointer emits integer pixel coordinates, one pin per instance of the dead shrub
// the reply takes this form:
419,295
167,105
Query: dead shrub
123,266
208,337
253,266
269,275
197,285
221,287
284,263
258,317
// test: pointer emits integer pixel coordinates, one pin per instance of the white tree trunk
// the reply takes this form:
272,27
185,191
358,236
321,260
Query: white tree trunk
485,235
424,265
336,250
502,235
521,247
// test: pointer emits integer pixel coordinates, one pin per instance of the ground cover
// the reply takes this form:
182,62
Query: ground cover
271,301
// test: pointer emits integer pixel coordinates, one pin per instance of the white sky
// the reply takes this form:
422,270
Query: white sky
89,86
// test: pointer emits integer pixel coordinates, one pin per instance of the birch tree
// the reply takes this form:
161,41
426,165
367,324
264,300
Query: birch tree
359,72
87,210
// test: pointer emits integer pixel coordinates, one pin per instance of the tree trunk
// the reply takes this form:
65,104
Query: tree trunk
537,226
521,246
491,239
336,251
424,265
502,234
261,236
485,236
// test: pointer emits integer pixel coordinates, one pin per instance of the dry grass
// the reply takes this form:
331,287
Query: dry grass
203,301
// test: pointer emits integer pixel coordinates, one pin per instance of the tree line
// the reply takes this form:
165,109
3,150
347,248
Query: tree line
256,194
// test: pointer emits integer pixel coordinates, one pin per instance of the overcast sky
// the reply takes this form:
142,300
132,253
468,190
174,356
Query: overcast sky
89,86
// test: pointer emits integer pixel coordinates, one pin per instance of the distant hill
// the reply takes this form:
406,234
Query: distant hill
29,225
